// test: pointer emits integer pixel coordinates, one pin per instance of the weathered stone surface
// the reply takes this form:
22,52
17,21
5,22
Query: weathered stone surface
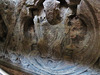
51,37
73,2
12,71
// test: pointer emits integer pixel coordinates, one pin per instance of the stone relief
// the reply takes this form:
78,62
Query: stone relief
49,37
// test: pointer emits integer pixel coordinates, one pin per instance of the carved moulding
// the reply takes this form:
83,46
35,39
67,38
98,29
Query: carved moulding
41,38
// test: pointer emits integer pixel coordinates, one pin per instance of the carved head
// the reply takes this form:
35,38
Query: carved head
52,11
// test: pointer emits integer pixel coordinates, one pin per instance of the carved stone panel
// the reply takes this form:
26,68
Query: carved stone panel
51,37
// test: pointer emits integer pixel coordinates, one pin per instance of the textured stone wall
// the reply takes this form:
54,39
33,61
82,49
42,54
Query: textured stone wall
51,36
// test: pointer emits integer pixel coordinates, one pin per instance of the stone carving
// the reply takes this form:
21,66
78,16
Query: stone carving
50,36
52,11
